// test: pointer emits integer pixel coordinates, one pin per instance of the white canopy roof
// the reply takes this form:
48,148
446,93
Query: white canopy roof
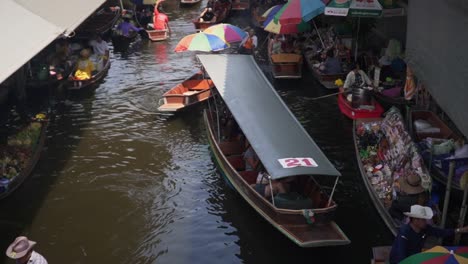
30,25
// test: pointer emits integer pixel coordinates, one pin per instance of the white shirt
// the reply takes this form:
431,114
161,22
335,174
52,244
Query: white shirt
99,48
350,79
37,258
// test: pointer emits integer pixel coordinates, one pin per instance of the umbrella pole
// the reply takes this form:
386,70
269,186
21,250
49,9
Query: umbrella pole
461,218
333,192
447,193
357,39
318,34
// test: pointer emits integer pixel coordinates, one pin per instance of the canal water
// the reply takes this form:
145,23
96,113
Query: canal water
118,183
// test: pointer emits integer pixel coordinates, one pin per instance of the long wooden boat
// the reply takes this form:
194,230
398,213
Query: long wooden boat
380,205
355,113
157,34
286,66
190,92
8,188
240,5
222,12
307,220
121,43
381,255
80,85
100,23
189,2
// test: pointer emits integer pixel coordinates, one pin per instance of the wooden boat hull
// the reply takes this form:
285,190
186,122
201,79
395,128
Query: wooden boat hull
190,92
24,174
189,2
286,66
327,80
98,24
158,35
240,5
291,223
354,113
387,102
378,203
80,85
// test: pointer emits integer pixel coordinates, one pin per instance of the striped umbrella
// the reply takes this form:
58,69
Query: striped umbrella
273,26
272,11
227,32
439,255
201,42
297,11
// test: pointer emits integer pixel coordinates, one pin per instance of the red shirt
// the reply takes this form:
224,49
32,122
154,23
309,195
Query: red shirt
160,21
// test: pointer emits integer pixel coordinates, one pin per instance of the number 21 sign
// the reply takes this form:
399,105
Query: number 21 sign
296,162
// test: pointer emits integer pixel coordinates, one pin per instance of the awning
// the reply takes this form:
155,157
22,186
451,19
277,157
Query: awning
354,8
280,141
30,25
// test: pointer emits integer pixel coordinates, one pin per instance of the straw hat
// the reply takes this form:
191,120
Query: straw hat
20,247
410,184
85,53
421,212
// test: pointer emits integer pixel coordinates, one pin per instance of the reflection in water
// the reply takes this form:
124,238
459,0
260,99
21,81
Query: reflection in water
121,184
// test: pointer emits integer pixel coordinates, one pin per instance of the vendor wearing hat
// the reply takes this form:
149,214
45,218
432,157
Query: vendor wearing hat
22,251
411,237
409,193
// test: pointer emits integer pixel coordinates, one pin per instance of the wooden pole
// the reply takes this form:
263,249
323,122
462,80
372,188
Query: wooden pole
328,95
463,209
447,193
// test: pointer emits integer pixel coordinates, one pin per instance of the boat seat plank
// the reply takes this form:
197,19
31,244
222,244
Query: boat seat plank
237,162
286,57
317,234
170,107
190,93
198,84
231,148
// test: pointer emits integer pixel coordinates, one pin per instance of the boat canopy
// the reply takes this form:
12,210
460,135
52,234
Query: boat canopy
280,141
30,25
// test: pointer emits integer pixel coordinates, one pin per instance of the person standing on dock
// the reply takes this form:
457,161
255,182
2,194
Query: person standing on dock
21,250
411,237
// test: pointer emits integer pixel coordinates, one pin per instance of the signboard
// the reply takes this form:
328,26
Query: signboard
365,8
288,163
338,8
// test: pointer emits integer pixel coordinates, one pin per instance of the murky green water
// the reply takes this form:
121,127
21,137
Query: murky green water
119,184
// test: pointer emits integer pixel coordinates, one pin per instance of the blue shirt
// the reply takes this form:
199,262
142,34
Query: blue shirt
126,27
332,66
408,242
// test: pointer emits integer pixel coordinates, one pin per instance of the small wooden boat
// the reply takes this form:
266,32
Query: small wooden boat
189,2
379,203
439,171
121,43
286,66
240,5
374,110
7,186
221,9
157,34
327,80
307,220
79,85
192,91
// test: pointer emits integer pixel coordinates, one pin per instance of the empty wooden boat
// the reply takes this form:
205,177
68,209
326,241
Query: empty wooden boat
192,91
286,66
288,155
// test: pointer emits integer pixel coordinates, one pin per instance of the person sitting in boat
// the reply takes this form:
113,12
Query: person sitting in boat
85,66
356,78
331,65
126,27
100,51
263,187
207,15
409,192
275,45
411,237
160,20
249,43
251,159
384,69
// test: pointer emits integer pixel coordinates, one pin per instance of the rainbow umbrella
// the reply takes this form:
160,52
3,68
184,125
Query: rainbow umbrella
439,255
226,32
201,42
277,27
272,10
296,11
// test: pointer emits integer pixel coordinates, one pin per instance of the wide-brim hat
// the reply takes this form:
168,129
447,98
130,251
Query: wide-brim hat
410,184
421,212
20,247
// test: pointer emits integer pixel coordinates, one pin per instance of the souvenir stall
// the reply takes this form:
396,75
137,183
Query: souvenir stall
391,165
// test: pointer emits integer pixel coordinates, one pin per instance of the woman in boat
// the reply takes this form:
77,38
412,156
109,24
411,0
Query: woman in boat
263,187
85,66
331,65
207,15
275,45
356,78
